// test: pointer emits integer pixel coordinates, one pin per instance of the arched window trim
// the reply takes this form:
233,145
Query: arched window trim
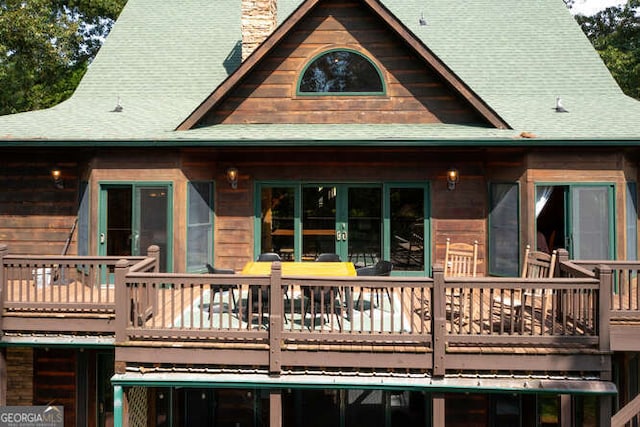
341,49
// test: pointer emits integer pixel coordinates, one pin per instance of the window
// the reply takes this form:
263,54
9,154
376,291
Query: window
503,229
341,72
199,226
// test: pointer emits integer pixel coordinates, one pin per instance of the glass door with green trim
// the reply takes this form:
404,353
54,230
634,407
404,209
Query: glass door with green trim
134,217
578,217
362,223
342,219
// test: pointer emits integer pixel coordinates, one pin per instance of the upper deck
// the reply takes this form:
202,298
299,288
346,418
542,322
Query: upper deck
428,326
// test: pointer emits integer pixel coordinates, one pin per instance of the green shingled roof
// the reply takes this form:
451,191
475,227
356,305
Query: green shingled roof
162,59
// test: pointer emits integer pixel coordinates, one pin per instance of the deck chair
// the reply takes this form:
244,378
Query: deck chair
218,289
460,260
380,268
259,294
536,265
322,297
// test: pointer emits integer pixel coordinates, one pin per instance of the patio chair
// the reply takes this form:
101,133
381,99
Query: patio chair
268,257
322,297
218,289
536,265
380,268
260,294
328,257
460,260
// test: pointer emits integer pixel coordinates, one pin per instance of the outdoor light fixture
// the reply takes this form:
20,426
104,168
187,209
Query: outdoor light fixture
56,175
452,178
232,177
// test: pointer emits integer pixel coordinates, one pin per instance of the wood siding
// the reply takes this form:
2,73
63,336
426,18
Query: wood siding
36,216
19,376
55,381
414,92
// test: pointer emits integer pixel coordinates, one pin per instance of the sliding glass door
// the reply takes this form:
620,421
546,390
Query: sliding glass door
362,223
576,217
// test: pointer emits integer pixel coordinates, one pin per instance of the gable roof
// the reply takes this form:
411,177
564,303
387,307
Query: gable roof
516,56
388,18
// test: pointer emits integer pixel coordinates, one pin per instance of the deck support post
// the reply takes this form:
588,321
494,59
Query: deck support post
275,408
275,319
118,407
605,275
438,304
438,408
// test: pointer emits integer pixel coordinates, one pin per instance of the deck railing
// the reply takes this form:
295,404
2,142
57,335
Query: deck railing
422,316
625,295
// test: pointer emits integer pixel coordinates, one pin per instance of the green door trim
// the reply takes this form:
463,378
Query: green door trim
103,186
342,214
568,200
426,224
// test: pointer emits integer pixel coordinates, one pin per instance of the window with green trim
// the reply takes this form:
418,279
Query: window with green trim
341,72
199,226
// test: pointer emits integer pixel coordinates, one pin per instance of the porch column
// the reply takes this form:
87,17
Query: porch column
438,415
605,275
276,313
118,407
275,408
438,307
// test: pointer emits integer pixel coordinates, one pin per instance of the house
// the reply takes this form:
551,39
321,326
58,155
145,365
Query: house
212,132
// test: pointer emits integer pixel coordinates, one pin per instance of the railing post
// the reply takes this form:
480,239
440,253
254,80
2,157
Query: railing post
153,251
562,256
605,276
438,307
123,302
275,319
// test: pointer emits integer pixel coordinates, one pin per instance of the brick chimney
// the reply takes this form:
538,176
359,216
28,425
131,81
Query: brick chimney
258,22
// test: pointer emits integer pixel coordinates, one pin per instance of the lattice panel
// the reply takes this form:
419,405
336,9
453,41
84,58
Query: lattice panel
137,398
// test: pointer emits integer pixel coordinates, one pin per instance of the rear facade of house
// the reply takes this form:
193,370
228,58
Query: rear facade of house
207,133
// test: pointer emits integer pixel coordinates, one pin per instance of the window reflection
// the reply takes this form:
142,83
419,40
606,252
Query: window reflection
341,71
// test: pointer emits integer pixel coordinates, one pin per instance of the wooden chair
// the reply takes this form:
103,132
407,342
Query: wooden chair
460,260
536,265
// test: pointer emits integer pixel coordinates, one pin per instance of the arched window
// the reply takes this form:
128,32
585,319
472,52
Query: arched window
341,72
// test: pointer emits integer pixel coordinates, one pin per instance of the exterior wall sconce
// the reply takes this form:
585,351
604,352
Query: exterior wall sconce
232,177
56,176
452,178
